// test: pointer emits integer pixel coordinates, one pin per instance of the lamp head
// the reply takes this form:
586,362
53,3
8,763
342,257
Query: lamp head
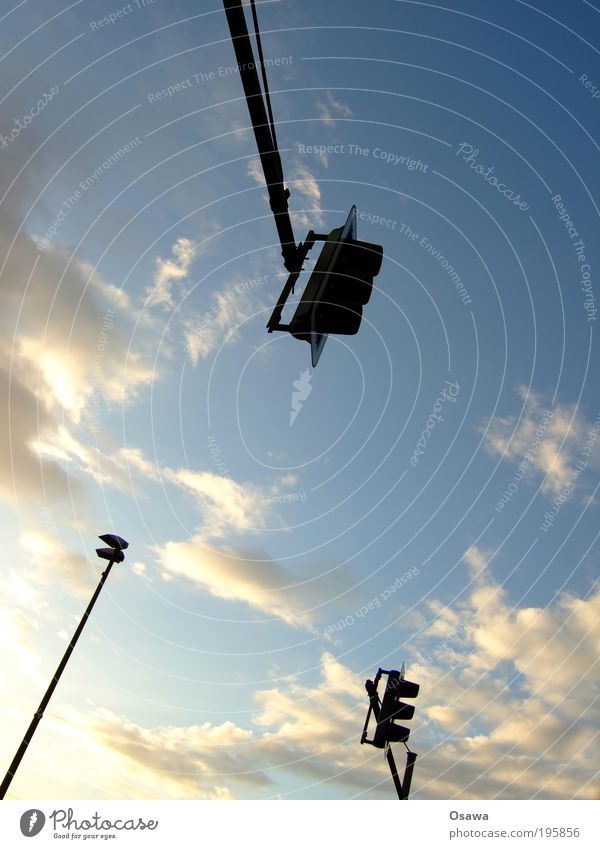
114,541
114,554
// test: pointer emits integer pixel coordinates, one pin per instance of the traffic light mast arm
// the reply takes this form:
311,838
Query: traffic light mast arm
263,133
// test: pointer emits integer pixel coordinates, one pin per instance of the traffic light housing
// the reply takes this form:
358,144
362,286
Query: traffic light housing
392,709
338,288
386,712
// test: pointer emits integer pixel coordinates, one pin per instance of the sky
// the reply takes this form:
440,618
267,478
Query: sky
428,494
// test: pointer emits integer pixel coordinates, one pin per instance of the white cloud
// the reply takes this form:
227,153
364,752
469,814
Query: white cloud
225,503
255,171
70,349
27,588
306,731
249,576
220,323
329,109
479,733
53,562
299,598
70,331
16,630
169,270
513,688
105,469
301,182
112,757
24,476
543,441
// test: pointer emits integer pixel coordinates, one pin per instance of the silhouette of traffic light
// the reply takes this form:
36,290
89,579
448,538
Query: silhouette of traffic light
392,709
338,288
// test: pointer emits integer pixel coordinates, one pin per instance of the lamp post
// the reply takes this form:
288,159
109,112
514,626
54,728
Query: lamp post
114,554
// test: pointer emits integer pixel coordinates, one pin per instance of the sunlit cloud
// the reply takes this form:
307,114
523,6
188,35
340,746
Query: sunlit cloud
545,441
220,322
170,270
225,503
306,731
248,576
515,738
301,597
52,563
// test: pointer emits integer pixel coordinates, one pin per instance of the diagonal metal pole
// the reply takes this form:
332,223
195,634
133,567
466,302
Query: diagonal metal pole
411,757
402,787
395,776
44,703
267,147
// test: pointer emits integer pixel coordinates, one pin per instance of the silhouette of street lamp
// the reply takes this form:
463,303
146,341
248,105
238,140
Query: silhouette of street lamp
114,554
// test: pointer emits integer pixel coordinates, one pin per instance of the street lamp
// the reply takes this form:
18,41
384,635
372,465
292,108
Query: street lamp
114,554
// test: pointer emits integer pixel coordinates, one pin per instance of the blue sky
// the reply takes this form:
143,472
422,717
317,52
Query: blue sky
434,499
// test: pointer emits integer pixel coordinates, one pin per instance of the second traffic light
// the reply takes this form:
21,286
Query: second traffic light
393,709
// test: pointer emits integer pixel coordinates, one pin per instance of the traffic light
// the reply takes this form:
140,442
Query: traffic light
386,713
338,288
393,709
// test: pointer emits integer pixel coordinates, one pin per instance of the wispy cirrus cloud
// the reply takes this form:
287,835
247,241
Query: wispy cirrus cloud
330,108
304,182
546,440
169,270
301,181
219,324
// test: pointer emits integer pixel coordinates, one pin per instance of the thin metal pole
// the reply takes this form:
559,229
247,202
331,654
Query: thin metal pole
44,703
402,787
395,776
408,772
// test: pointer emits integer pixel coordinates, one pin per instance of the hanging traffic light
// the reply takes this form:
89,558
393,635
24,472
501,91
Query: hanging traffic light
392,710
338,288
